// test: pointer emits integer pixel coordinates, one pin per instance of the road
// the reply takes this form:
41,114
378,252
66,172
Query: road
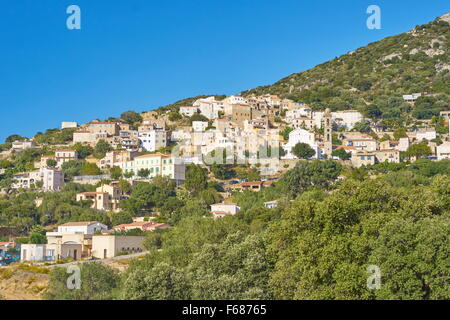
129,256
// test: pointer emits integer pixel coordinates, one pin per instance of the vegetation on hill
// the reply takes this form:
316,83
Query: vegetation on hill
316,244
373,79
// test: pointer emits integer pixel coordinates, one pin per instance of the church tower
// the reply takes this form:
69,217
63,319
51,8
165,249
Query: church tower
328,134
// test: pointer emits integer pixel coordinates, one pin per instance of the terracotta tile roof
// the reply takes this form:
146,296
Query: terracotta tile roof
249,184
346,148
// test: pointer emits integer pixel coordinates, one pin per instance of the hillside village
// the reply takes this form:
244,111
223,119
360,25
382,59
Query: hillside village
265,134
287,191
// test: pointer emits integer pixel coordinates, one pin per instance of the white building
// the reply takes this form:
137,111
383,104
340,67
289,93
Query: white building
271,204
209,107
199,126
220,210
347,118
403,144
426,135
52,179
22,145
88,227
300,112
188,111
301,136
153,140
411,97
68,125
50,252
235,100
180,135
443,151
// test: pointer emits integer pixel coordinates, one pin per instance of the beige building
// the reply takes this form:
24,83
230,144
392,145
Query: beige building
302,123
65,155
108,246
52,179
106,198
104,127
158,164
219,210
69,124
76,233
22,145
360,159
363,144
238,113
389,144
88,137
443,151
388,155
114,158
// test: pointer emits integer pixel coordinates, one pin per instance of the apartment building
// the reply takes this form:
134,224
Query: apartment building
65,155
158,164
52,179
153,140
113,158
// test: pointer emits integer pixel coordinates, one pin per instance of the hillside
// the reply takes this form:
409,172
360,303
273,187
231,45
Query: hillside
378,75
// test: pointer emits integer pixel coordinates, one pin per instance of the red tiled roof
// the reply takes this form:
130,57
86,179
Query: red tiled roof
346,148
249,184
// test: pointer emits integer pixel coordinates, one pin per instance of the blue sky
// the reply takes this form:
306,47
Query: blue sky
141,54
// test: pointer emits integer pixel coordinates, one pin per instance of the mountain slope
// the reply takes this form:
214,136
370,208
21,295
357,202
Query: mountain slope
378,75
